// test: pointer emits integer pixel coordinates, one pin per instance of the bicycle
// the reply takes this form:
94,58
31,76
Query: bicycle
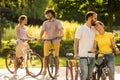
69,68
34,61
51,59
101,71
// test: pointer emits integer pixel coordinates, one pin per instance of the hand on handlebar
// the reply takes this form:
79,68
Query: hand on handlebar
92,51
75,56
39,39
117,51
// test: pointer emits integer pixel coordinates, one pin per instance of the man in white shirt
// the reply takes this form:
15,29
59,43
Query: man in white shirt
51,29
84,39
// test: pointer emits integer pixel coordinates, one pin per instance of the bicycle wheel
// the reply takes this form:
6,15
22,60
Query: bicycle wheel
52,66
106,74
95,72
68,72
9,61
101,73
95,75
34,64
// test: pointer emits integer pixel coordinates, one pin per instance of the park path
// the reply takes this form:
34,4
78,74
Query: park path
5,75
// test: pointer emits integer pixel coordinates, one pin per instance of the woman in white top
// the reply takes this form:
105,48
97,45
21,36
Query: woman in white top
21,44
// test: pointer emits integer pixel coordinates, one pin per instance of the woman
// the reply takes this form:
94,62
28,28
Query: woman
21,44
106,43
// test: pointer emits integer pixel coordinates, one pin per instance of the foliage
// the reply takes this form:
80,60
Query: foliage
3,24
65,47
34,30
68,9
32,8
66,43
76,9
7,45
62,62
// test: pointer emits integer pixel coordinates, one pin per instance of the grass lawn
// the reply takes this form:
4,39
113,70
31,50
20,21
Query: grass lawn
62,61
2,62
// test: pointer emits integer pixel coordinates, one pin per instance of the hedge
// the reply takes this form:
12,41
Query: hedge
65,47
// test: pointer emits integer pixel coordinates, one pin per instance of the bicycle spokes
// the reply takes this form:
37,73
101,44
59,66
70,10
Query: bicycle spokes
52,66
34,65
9,61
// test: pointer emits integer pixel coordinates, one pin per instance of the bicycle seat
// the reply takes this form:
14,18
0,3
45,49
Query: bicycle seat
69,55
12,52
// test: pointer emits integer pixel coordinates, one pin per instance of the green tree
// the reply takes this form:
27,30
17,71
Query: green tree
32,8
76,9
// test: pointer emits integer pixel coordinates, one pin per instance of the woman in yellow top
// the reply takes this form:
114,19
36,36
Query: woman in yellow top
106,43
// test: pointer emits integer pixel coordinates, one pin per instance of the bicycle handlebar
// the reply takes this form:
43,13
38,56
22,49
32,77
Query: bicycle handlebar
51,40
29,39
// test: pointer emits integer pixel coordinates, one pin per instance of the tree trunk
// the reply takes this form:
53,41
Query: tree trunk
0,37
90,5
110,15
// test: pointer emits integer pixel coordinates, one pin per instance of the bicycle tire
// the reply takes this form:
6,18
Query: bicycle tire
34,64
68,72
95,75
52,66
95,72
101,72
9,61
107,74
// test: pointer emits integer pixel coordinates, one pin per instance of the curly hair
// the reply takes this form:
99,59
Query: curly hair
50,11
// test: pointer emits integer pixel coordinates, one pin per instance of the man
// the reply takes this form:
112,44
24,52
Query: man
52,29
84,40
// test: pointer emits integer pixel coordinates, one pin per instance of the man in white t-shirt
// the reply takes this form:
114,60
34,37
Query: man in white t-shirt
51,29
84,39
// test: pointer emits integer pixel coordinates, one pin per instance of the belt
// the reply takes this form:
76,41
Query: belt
83,57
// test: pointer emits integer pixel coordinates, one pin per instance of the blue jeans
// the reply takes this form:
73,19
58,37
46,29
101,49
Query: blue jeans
111,64
87,69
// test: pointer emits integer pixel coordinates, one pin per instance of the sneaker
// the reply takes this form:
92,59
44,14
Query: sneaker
29,73
15,77
42,77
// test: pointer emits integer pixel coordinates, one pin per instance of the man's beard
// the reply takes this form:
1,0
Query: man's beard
50,18
93,23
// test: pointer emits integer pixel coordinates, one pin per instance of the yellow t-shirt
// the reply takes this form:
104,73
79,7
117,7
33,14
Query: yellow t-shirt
104,42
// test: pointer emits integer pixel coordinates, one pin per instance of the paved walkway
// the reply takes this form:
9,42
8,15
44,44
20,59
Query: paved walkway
5,75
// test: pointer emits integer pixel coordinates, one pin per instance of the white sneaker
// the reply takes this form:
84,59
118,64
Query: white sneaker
42,77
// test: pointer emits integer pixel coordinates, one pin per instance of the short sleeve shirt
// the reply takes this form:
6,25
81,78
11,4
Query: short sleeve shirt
104,41
22,32
86,36
52,28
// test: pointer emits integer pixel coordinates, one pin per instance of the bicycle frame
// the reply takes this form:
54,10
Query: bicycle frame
51,56
30,59
69,66
101,69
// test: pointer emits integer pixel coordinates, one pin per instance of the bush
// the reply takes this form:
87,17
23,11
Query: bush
7,45
65,47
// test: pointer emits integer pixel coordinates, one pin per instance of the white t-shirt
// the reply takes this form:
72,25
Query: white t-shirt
86,36
52,28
